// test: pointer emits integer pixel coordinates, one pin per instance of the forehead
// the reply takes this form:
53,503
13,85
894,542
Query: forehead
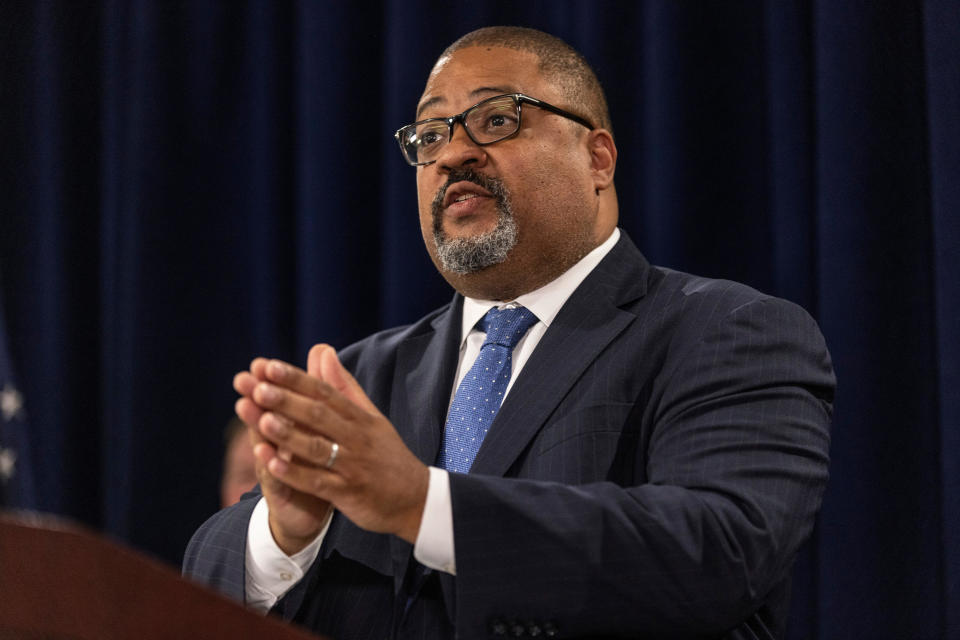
469,75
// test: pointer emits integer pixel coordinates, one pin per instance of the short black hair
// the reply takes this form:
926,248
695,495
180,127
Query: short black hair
560,63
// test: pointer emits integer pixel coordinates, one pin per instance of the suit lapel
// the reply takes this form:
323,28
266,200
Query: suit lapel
423,375
589,320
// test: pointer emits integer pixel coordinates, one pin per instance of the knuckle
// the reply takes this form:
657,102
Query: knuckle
317,412
276,369
315,447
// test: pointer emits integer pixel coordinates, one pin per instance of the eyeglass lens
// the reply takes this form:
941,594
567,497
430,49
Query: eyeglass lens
489,121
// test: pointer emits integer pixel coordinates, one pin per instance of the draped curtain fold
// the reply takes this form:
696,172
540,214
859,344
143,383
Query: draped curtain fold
187,185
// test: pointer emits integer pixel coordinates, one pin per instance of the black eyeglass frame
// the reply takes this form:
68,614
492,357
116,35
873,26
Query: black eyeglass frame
520,100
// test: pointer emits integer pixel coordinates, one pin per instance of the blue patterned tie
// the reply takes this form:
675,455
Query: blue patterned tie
480,393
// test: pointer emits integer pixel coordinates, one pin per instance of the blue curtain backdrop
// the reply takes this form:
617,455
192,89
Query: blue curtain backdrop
186,185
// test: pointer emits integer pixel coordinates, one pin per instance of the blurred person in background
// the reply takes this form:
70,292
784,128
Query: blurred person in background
239,466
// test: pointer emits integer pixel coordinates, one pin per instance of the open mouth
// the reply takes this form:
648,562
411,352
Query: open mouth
464,192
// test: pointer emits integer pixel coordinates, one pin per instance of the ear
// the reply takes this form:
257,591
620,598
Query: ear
603,158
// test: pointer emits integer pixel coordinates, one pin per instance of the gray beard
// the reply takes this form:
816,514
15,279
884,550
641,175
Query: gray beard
469,255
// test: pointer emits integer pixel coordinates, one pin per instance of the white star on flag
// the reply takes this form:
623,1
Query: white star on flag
11,402
8,464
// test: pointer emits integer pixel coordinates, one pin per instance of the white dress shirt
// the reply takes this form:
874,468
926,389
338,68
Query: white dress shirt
270,573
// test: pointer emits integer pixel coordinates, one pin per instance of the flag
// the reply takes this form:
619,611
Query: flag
17,487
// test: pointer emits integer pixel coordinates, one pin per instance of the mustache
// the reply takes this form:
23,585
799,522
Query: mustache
493,185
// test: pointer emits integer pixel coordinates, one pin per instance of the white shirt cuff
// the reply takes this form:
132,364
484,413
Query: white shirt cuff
270,573
434,545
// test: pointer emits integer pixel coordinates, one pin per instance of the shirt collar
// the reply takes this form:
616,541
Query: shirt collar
545,302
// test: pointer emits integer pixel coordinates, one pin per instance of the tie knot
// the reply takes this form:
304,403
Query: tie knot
507,326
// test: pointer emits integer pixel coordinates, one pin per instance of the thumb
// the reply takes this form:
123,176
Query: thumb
313,360
322,361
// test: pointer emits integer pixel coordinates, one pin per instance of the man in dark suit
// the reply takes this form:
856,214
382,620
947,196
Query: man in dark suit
617,449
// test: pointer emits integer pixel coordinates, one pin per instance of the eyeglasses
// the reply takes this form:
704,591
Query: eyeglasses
486,122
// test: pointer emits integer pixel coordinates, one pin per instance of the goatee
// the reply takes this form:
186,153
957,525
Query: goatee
469,255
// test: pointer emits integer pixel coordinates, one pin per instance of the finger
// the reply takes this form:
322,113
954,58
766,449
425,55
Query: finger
334,373
244,382
295,379
309,447
248,411
257,366
251,414
264,452
313,363
322,483
332,415
245,413
258,434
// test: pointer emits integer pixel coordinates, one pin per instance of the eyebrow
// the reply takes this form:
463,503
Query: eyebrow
476,93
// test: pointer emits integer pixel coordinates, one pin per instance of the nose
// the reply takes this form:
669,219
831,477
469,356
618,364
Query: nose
460,151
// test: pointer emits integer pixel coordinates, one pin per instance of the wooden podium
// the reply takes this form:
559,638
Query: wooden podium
59,581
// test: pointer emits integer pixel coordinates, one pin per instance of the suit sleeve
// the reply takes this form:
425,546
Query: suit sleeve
216,552
734,461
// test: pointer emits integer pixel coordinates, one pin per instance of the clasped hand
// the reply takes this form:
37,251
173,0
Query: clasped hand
295,417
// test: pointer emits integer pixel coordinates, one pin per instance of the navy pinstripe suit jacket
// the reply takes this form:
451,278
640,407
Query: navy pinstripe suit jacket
652,473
